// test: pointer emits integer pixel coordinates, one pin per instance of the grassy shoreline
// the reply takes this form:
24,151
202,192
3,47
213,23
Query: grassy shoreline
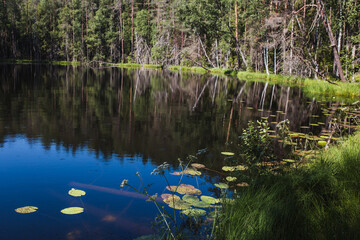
318,201
312,87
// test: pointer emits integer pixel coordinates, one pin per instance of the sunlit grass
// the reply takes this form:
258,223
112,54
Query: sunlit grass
311,87
317,201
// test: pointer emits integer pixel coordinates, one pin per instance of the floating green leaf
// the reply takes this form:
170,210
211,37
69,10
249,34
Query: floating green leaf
27,209
198,165
201,204
194,212
179,204
76,192
209,200
72,210
191,171
221,185
230,179
234,168
241,167
184,189
322,143
167,198
190,199
227,153
228,168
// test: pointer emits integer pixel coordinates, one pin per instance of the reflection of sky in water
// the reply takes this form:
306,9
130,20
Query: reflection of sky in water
31,175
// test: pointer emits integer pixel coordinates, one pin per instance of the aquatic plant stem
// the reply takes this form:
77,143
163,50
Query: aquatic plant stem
156,204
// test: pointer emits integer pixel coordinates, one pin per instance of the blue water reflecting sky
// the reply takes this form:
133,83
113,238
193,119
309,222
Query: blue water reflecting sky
33,175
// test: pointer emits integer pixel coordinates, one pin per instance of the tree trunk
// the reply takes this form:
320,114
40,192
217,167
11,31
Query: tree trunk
291,45
236,21
132,25
121,37
332,40
353,62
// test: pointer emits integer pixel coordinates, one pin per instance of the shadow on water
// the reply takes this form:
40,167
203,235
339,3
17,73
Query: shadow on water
160,115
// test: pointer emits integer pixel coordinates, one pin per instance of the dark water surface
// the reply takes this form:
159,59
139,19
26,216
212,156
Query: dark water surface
64,127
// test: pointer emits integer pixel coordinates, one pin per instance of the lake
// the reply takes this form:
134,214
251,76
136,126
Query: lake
64,127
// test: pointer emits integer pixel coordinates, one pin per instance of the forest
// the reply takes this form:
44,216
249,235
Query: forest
306,38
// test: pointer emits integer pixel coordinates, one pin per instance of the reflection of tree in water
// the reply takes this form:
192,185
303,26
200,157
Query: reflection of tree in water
158,114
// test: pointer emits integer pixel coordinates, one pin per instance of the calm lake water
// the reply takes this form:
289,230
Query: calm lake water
65,127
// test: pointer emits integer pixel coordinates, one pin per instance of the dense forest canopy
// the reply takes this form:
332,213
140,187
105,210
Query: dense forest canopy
295,37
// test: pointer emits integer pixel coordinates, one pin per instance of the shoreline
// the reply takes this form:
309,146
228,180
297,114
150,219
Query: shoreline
340,91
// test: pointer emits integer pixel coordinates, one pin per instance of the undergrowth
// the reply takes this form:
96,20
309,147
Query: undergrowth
317,201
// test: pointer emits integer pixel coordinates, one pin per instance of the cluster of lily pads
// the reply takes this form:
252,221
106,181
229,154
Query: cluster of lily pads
190,204
68,211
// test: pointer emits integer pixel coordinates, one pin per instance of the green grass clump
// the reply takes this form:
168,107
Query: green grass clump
135,65
188,69
311,87
317,201
316,87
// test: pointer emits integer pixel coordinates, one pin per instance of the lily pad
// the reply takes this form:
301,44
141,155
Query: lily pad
191,171
228,153
184,189
76,192
234,168
179,204
190,199
168,198
221,185
230,179
241,167
197,165
209,200
72,210
228,168
27,209
201,204
194,212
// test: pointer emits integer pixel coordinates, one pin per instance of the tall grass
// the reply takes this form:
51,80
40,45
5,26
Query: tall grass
317,201
311,87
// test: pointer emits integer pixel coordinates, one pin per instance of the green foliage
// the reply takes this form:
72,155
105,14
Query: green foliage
319,201
255,143
186,32
143,26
